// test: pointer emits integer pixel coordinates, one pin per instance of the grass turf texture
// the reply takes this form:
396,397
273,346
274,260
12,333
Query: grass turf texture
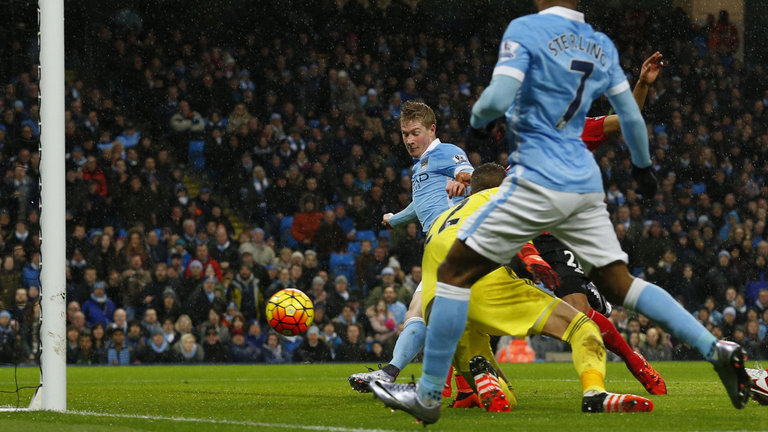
318,397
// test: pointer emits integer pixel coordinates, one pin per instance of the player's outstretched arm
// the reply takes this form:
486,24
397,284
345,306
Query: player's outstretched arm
636,137
494,101
404,216
648,74
633,126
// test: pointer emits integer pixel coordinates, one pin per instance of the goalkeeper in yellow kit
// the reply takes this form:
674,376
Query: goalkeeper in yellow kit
503,304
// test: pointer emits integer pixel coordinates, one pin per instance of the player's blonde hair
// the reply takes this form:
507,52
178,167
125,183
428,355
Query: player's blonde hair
418,111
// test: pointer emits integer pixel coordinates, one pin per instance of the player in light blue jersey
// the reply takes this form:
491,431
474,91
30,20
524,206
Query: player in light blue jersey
551,67
440,175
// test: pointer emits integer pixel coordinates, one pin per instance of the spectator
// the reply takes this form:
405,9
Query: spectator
201,255
158,350
382,321
396,307
99,308
413,279
214,322
223,250
306,222
188,350
352,349
378,353
86,354
312,349
241,351
10,278
331,339
118,352
213,350
410,248
170,307
728,324
8,331
273,350
255,335
134,282
388,280
283,281
203,300
186,125
655,347
262,253
338,297
150,322
169,332
329,237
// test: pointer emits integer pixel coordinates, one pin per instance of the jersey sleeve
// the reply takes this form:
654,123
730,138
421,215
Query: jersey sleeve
514,55
453,160
593,135
406,215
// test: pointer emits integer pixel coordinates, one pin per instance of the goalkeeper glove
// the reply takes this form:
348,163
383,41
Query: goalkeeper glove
539,269
646,181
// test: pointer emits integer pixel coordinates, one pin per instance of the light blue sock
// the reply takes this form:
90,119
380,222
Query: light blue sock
409,343
446,325
655,303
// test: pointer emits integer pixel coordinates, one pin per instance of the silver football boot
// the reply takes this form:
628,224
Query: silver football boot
729,364
405,397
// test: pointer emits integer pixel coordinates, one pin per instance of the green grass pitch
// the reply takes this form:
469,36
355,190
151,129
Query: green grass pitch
317,397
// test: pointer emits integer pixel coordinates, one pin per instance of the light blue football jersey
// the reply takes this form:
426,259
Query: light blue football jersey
564,65
430,173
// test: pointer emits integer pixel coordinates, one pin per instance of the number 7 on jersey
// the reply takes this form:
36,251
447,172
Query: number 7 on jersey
585,68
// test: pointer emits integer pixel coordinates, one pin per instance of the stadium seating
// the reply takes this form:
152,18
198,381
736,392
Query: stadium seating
196,155
354,248
366,235
285,232
343,264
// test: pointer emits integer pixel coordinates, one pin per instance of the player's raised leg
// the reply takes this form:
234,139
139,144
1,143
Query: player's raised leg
407,347
656,303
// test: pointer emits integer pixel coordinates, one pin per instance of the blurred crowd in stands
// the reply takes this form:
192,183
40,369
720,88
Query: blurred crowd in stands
207,171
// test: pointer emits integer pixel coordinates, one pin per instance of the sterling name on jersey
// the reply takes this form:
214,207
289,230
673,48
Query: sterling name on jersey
431,172
564,65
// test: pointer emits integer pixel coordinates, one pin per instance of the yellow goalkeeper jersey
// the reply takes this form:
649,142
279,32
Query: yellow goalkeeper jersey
444,230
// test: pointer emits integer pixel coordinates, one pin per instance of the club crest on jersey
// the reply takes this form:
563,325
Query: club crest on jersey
459,158
424,163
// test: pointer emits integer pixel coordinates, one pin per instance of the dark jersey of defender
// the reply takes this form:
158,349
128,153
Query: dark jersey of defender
572,277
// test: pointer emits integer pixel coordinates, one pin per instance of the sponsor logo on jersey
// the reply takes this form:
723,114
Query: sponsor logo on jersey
418,179
460,158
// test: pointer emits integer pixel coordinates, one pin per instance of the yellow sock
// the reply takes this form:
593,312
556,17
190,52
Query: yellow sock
592,379
588,352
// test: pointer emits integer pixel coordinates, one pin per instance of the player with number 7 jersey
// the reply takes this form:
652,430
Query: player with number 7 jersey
565,71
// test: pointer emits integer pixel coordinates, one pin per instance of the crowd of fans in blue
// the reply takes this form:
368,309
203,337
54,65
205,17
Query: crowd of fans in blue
295,133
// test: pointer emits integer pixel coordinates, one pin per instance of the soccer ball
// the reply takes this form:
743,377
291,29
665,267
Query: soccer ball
759,388
290,312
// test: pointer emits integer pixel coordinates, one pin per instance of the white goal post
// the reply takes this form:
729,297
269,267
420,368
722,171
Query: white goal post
52,395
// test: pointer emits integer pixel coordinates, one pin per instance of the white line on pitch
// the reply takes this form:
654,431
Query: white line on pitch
219,421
